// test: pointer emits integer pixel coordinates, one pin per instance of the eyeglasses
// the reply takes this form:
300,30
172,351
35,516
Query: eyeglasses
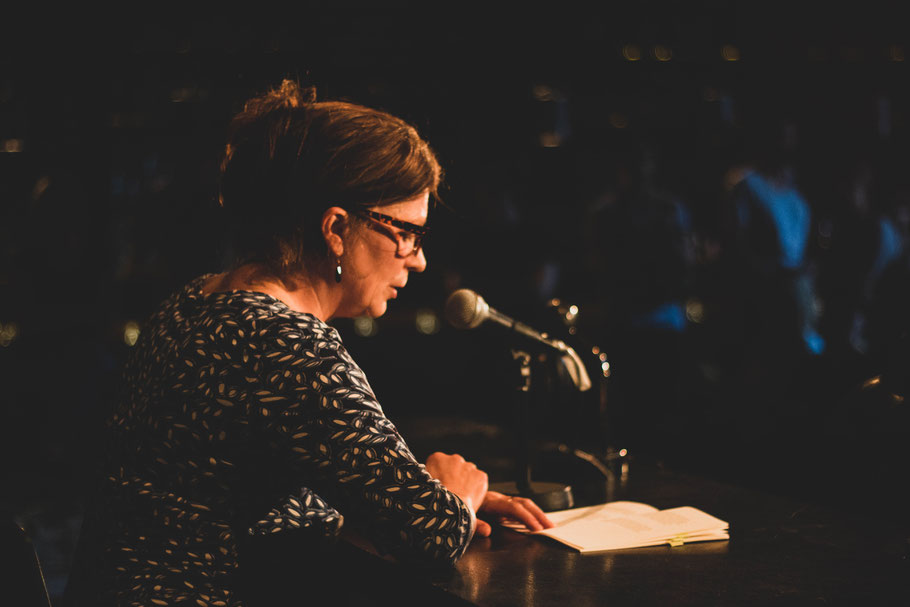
409,241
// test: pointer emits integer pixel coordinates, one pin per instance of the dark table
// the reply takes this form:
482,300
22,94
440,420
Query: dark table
780,551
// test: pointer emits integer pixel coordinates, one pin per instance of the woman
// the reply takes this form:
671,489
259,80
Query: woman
244,416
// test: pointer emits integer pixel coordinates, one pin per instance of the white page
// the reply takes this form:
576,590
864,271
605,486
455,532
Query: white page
600,511
609,531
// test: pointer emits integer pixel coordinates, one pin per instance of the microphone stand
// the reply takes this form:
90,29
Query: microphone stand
523,406
549,496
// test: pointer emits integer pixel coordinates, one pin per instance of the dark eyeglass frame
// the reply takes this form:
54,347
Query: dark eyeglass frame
419,232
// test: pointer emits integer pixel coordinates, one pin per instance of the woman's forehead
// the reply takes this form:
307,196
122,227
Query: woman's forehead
413,210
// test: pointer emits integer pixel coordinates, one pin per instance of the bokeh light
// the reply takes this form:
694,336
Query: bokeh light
8,333
427,321
631,52
365,326
131,333
662,53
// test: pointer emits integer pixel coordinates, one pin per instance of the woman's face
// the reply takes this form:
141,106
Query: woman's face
373,268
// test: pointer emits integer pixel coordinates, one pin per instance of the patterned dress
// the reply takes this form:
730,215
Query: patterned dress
242,417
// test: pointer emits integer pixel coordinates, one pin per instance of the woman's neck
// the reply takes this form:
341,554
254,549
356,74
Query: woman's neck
300,292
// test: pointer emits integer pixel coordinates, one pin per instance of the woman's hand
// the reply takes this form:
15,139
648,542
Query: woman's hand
521,509
460,477
465,480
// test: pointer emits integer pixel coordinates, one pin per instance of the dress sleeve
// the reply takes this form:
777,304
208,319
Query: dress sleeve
321,418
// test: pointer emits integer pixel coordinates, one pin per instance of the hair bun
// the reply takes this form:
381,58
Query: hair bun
294,95
289,95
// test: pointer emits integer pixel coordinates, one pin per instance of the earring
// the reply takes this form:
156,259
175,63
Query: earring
337,270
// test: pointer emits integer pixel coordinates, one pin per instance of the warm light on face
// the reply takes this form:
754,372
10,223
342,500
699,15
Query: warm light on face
375,266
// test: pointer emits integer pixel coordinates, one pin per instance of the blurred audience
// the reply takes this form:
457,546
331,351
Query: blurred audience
640,246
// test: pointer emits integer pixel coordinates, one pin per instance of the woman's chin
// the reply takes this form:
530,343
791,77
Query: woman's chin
376,310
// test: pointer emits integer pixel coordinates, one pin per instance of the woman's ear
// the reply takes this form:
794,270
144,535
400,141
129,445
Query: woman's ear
335,226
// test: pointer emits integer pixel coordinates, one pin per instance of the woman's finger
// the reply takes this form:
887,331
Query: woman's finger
536,511
521,509
518,511
483,528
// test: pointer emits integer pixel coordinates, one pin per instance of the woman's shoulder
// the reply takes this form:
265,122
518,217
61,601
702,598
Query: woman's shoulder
248,320
278,341
245,330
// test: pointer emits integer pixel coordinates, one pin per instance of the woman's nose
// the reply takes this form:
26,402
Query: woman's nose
418,262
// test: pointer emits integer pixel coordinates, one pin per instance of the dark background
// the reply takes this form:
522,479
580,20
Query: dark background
110,135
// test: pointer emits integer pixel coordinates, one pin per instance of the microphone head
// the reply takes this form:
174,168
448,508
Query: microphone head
465,309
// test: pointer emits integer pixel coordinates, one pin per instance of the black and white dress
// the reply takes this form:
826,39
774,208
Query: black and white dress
244,417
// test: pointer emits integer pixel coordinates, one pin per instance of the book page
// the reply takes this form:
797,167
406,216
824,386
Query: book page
600,511
611,532
629,525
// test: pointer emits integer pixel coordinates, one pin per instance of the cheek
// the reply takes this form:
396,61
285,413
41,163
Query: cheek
368,279
373,272
360,266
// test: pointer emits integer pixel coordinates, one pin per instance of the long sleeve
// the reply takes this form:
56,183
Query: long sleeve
337,451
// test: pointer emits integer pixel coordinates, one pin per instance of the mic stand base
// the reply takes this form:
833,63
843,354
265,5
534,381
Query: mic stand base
549,496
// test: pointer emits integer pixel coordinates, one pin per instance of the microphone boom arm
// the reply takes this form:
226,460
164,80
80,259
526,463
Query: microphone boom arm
466,309
570,358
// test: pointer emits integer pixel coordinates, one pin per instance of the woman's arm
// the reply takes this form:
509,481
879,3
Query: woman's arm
322,421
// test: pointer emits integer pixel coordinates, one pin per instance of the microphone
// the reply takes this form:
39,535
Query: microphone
466,309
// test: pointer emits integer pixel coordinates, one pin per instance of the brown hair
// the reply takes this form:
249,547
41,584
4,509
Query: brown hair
290,157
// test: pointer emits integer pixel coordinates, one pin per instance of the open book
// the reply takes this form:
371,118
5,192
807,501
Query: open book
618,525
